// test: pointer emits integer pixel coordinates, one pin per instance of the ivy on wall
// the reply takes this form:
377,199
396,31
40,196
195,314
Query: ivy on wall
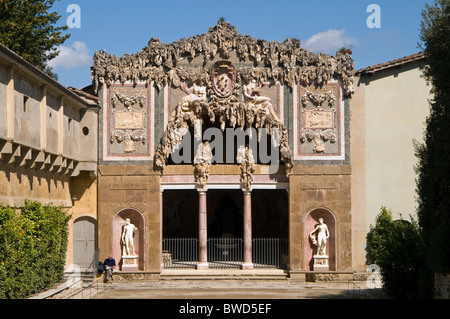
33,245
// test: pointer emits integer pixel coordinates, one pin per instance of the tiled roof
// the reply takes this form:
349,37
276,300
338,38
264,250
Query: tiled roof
12,58
83,93
391,64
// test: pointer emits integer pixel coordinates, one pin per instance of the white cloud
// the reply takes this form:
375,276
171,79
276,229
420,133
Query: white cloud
329,41
72,56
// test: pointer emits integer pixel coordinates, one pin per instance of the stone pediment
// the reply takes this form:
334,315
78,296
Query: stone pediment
262,60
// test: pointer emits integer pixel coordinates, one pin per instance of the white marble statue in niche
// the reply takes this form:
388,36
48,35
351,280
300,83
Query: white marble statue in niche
128,238
320,239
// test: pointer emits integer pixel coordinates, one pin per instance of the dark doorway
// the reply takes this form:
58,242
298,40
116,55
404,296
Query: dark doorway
225,213
225,228
270,217
180,213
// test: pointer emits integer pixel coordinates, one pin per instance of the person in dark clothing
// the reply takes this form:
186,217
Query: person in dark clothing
110,265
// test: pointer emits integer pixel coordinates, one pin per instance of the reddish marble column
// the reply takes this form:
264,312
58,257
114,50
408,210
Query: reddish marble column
202,231
248,261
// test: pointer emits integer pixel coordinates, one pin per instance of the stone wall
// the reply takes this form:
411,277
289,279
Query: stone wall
48,141
149,96
325,188
130,187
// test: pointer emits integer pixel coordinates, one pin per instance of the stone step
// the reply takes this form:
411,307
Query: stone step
85,276
216,274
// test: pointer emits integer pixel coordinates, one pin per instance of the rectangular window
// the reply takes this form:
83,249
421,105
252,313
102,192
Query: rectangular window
26,104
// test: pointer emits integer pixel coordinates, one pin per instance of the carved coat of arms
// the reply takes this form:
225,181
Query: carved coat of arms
223,76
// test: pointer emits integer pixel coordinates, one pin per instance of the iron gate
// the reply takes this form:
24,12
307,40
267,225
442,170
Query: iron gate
224,252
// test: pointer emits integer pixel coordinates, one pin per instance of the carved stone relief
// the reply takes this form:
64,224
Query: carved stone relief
128,121
223,77
202,162
319,120
247,166
225,83
229,101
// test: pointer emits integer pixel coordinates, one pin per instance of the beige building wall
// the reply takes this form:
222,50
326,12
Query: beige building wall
389,111
358,178
48,142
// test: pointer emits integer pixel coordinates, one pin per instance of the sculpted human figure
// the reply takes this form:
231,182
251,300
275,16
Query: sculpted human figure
322,236
252,94
188,103
127,238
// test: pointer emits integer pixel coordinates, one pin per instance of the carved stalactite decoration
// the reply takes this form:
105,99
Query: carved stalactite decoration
228,110
285,62
247,166
202,162
219,89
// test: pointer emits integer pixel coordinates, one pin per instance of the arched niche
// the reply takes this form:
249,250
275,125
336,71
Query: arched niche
119,222
310,223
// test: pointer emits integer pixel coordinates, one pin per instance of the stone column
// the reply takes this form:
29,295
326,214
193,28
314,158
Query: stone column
202,231
248,261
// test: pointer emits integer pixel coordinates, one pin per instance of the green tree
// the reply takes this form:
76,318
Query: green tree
397,248
28,28
433,169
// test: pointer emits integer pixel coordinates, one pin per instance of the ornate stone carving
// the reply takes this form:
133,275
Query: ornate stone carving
227,108
318,96
247,166
319,119
128,128
223,77
128,137
128,101
128,120
318,137
192,99
202,161
285,62
318,123
128,124
252,96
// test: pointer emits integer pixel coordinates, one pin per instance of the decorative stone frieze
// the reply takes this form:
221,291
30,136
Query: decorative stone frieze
285,62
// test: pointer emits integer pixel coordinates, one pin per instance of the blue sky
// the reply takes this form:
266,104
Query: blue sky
121,27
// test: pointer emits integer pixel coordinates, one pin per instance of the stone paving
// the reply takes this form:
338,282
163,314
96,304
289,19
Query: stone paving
232,289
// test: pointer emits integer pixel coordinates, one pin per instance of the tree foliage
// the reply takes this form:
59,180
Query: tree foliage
33,244
397,248
28,28
433,169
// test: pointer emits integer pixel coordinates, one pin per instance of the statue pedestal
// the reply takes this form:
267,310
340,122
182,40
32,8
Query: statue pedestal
320,263
129,263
